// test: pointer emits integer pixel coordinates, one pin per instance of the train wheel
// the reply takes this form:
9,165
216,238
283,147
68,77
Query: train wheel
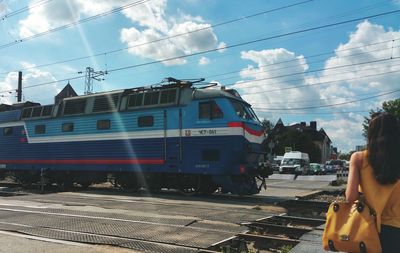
189,185
207,186
126,181
245,185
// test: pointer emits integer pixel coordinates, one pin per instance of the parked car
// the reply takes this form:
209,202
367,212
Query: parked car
317,169
332,166
295,162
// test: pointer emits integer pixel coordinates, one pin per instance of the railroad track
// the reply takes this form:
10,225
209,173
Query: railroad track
273,233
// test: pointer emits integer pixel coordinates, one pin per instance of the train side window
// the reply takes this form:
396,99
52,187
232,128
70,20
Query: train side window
151,98
103,124
75,106
40,129
26,113
168,96
37,111
105,103
47,110
7,131
210,155
210,110
68,127
135,100
146,121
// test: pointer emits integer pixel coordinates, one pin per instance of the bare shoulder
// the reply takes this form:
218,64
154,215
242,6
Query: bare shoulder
356,159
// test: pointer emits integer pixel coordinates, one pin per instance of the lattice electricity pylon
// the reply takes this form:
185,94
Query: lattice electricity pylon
90,76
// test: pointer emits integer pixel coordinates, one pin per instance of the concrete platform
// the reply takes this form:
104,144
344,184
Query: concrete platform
320,178
18,243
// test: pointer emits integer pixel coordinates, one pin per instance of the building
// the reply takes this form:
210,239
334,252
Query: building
318,137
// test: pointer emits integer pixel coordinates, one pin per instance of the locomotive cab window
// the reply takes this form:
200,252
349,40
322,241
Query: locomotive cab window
210,110
146,121
40,129
243,111
7,131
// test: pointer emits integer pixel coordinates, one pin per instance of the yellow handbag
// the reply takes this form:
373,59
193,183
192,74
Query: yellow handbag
351,227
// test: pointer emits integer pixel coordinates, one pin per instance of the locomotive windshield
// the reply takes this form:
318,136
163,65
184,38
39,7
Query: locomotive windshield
244,111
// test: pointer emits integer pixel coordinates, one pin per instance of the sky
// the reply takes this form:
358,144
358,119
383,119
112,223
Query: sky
297,60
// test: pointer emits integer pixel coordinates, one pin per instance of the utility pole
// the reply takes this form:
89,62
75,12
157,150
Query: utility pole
90,76
19,90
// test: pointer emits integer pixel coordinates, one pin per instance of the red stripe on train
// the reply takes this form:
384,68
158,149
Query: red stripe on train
85,161
248,129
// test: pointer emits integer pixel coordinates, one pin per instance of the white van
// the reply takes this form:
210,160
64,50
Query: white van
295,162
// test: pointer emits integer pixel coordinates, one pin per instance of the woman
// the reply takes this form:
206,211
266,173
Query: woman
376,173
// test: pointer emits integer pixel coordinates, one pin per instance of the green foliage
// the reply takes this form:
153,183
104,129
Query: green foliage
267,124
285,248
345,156
392,107
299,141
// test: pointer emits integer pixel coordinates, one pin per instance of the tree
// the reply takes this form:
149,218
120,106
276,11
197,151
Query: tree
267,125
392,107
299,141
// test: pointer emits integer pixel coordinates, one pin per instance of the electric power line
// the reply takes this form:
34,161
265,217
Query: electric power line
235,45
24,9
80,21
313,100
315,70
168,37
330,105
305,63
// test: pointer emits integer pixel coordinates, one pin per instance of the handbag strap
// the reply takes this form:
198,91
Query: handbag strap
362,202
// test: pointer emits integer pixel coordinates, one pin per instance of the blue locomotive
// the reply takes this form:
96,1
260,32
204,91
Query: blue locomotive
172,135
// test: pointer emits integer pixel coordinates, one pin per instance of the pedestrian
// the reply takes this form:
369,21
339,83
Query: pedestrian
376,173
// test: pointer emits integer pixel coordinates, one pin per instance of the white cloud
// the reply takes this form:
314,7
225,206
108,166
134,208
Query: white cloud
204,61
6,97
3,8
178,45
270,73
357,51
221,47
149,23
31,76
41,18
149,15
345,130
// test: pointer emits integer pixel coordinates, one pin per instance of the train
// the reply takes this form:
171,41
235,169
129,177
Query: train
178,134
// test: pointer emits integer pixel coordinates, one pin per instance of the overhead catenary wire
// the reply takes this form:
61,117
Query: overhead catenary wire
323,83
24,9
329,105
80,21
301,63
314,113
315,70
255,41
167,37
313,100
196,30
259,92
232,46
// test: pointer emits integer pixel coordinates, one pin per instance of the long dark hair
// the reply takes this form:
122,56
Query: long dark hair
384,147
